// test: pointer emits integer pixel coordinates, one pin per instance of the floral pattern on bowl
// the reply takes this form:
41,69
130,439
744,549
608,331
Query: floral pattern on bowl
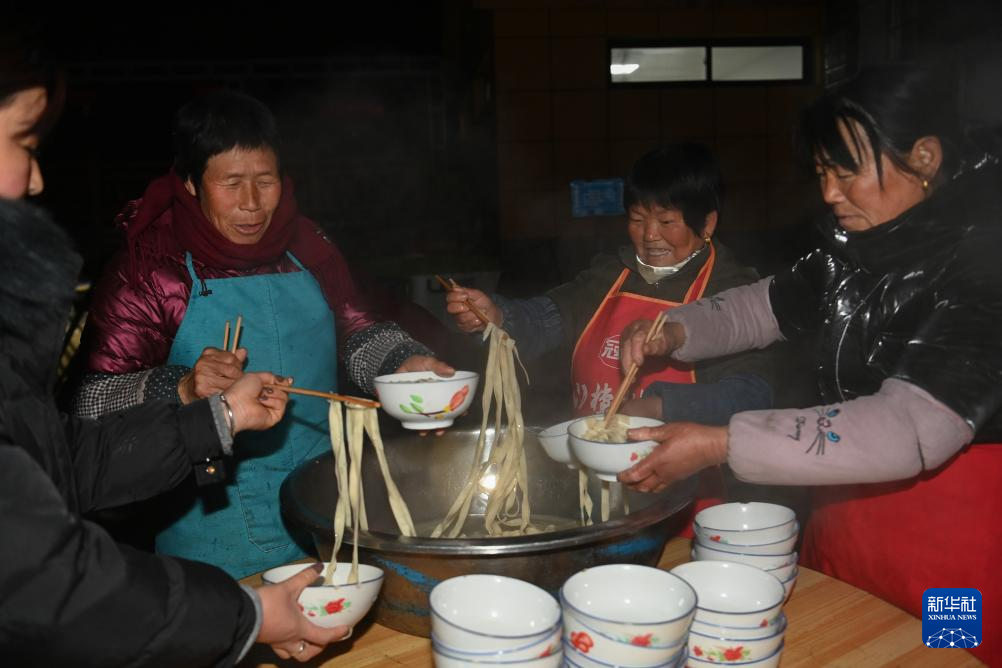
722,654
417,407
637,456
331,607
582,642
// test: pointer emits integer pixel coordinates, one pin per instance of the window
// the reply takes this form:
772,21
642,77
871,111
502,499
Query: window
710,61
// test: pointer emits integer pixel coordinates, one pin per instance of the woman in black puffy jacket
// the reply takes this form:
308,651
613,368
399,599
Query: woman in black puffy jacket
69,595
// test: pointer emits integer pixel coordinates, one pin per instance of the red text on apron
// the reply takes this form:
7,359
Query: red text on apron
895,540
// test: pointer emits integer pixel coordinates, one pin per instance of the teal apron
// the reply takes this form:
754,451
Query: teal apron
288,329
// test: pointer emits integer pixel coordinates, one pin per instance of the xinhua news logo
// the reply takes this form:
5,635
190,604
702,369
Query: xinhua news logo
951,617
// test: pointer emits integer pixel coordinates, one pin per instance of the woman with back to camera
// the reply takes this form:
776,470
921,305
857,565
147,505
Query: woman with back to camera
70,595
906,311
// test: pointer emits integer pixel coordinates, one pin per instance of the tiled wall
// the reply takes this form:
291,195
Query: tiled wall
558,119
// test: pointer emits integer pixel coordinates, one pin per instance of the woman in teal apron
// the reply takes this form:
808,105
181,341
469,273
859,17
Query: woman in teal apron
219,237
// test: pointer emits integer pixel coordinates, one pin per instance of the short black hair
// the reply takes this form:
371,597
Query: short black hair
24,64
683,176
894,105
216,123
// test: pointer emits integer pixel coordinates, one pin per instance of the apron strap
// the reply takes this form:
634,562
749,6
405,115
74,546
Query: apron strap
295,260
204,291
699,285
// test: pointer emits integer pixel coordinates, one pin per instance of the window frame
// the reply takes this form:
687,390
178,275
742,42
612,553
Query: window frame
806,44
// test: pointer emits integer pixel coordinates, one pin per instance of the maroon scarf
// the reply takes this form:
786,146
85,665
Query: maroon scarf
168,219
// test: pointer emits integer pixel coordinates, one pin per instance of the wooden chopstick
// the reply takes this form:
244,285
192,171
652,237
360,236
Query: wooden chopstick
236,333
631,374
368,403
450,286
226,336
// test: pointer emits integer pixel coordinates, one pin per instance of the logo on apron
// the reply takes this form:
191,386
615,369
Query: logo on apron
609,353
951,617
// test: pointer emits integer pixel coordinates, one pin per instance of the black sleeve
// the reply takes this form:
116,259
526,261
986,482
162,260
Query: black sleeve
72,597
797,294
137,453
956,353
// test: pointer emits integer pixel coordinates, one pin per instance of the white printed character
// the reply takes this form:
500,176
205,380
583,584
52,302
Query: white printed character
580,395
601,398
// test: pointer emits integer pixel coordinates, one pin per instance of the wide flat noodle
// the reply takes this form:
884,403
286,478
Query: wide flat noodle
342,511
348,473
397,504
606,485
508,510
585,498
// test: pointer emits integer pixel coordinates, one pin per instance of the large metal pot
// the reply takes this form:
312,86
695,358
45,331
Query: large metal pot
429,470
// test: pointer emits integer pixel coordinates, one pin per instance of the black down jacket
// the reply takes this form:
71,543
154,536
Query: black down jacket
69,595
918,298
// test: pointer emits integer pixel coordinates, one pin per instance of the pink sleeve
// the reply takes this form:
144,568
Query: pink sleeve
130,327
891,435
731,321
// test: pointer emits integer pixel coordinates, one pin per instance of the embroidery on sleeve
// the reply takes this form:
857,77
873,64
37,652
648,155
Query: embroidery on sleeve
824,434
797,427
715,302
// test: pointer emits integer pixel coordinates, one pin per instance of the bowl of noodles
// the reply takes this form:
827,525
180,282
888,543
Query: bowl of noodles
424,400
606,450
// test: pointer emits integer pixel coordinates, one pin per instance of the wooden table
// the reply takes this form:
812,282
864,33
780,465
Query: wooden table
830,624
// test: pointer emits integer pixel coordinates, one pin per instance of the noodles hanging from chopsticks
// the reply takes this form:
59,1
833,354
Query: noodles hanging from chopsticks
348,473
508,510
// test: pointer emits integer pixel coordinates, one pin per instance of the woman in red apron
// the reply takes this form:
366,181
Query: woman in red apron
673,196
906,312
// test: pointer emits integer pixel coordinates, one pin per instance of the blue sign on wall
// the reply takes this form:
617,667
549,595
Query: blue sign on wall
601,197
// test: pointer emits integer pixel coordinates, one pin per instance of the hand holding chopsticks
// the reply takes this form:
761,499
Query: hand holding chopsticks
467,306
358,401
631,374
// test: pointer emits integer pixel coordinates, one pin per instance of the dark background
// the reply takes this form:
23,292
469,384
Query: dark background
413,130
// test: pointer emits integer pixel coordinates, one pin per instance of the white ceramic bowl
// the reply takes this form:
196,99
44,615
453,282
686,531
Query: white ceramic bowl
604,648
744,523
488,613
608,459
781,546
574,656
626,602
443,659
733,633
789,583
335,604
425,400
770,661
537,648
701,552
733,594
556,443
718,641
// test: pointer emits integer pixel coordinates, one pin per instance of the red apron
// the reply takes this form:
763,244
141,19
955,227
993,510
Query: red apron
895,540
595,373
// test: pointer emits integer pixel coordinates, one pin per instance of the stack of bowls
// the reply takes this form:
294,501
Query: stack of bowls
739,619
758,534
490,619
626,615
